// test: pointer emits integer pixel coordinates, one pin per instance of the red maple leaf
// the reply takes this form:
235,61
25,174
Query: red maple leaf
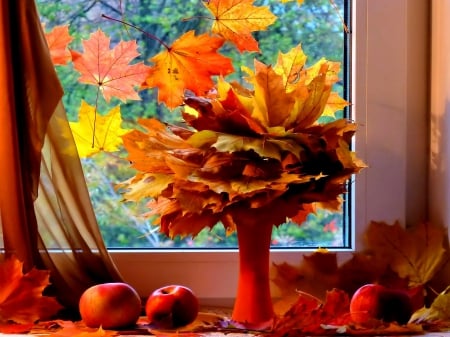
109,69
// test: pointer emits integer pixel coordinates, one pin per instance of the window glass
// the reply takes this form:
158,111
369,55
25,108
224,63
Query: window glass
316,24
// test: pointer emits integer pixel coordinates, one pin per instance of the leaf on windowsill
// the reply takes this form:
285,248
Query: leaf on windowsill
393,256
331,316
438,314
415,253
21,299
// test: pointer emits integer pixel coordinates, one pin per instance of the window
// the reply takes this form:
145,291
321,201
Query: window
317,25
389,99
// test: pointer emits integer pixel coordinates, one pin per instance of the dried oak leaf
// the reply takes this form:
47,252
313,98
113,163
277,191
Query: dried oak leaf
94,132
110,69
58,40
414,253
235,20
187,65
21,299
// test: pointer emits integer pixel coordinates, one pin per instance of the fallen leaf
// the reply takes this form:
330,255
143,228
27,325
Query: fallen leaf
415,253
309,315
438,312
21,299
14,328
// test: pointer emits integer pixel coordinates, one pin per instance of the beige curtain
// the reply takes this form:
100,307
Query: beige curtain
46,216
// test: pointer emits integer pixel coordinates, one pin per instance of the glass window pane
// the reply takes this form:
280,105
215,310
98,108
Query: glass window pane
316,24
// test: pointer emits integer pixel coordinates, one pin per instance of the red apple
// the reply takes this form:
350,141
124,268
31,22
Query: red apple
110,305
171,306
374,301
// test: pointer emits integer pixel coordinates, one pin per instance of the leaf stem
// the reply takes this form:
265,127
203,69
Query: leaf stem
149,35
197,17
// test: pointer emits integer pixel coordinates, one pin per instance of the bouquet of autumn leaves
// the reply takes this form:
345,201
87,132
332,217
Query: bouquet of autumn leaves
243,149
257,147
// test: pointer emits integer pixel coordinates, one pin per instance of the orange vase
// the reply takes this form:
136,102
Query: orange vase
253,305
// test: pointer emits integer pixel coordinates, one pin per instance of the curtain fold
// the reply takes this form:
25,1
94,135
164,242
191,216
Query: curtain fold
46,216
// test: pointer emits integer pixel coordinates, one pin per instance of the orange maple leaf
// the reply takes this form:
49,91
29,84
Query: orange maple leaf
21,299
235,20
187,65
57,40
109,69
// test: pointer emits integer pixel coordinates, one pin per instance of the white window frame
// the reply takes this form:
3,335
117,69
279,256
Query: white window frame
390,99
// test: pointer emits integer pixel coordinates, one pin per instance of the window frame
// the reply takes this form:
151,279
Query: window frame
390,41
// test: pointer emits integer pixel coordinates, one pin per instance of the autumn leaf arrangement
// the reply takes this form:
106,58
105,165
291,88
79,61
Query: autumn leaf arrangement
243,150
240,145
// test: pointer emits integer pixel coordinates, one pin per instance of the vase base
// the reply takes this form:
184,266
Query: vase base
261,326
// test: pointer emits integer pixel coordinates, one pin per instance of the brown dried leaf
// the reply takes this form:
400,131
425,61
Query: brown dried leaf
415,253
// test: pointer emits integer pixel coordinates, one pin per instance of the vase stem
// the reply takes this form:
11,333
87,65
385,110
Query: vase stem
253,305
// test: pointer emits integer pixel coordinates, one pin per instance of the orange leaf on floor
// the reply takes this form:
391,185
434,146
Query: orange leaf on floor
21,299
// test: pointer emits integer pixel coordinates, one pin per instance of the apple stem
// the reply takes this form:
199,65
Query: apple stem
253,305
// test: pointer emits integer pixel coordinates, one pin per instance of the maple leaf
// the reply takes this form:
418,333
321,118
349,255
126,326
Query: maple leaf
187,65
235,20
334,103
320,265
94,133
415,253
58,40
21,299
109,69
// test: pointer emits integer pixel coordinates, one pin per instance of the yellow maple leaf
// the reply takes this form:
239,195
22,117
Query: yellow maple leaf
21,299
94,133
235,20
334,104
290,65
